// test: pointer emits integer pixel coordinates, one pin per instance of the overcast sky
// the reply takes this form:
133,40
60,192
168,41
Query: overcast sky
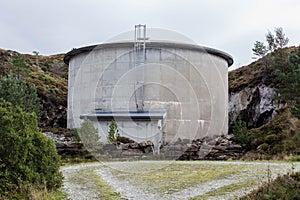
57,26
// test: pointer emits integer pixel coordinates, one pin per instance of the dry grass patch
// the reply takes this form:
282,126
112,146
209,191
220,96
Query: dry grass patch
91,181
178,176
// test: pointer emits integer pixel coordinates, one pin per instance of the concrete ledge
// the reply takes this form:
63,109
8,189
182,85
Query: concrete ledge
209,50
126,115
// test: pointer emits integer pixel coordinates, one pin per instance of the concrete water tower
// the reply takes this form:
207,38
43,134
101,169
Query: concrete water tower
156,84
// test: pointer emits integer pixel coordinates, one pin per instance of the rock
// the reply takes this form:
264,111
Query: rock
132,152
220,148
234,147
149,143
176,147
109,147
255,105
148,149
131,149
125,140
66,145
60,145
134,145
124,146
192,147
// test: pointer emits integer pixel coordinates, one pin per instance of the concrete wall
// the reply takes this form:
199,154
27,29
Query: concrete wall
191,84
139,131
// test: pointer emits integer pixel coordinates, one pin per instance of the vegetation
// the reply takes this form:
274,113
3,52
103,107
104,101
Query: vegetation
88,134
283,187
259,49
262,71
240,133
33,192
113,132
90,179
227,189
29,163
276,139
280,69
48,76
177,176
19,93
24,86
277,41
19,66
27,156
289,77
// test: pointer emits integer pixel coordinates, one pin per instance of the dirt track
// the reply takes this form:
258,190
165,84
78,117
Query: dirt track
122,176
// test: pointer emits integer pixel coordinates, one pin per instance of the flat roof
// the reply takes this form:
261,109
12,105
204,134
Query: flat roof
103,115
166,44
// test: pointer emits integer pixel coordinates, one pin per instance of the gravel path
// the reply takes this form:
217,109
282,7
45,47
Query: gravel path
84,190
77,190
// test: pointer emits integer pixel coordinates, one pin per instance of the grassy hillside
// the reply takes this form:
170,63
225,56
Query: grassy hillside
49,74
280,136
275,140
258,72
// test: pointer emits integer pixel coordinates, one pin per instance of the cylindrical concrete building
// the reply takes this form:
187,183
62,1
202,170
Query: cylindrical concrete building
156,84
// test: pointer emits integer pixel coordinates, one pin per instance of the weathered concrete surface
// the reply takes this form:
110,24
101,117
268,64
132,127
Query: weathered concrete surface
189,82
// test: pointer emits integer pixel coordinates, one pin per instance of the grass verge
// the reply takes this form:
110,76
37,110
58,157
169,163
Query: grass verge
179,176
28,191
225,190
91,181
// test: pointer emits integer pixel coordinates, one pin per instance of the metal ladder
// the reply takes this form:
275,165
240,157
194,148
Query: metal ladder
139,53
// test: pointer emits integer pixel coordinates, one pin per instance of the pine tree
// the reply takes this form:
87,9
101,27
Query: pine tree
113,132
19,66
289,88
19,93
259,49
280,39
89,135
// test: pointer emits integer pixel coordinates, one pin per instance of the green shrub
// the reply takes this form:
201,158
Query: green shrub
240,133
272,138
19,66
281,134
26,155
113,132
283,187
88,134
289,78
19,93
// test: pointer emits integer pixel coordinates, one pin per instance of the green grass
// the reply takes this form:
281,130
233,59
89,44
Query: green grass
225,190
178,176
283,187
165,178
88,178
33,192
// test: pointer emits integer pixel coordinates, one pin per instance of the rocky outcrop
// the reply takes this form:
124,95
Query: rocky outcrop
66,145
130,149
218,148
254,105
